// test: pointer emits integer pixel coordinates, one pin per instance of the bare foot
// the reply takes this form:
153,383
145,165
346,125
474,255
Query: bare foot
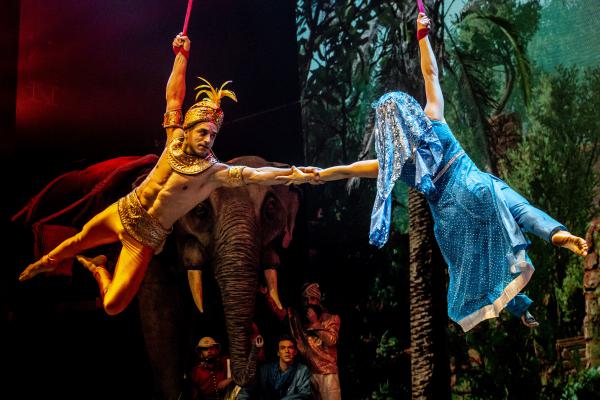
92,263
529,320
574,243
41,265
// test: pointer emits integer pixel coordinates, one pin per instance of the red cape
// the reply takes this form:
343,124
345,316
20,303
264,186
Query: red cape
69,201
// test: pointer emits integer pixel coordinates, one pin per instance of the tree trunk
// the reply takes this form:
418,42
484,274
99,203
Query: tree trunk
421,323
504,133
429,359
591,288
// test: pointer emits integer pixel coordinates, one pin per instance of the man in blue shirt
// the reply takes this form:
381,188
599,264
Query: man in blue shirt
282,379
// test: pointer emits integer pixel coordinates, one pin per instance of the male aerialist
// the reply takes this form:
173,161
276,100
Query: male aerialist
185,175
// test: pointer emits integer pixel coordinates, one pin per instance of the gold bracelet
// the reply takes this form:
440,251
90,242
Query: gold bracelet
235,176
172,119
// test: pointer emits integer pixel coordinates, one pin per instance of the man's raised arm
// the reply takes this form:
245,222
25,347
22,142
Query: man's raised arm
175,92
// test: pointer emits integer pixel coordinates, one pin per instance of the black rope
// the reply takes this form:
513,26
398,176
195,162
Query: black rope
256,114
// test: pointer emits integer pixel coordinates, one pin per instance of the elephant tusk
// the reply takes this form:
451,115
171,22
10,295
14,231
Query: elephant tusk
195,280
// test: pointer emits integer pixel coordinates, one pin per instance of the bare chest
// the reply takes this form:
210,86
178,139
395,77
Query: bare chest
181,184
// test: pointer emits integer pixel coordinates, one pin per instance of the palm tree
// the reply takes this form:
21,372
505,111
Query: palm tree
399,69
349,53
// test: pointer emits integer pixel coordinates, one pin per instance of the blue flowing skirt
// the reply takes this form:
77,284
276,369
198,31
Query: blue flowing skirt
481,242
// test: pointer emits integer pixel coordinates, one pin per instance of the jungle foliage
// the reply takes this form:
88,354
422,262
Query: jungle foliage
350,53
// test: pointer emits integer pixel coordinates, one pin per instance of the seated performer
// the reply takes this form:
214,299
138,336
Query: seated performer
209,376
478,218
185,175
282,379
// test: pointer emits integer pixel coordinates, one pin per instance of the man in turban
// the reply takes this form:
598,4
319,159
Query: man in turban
316,333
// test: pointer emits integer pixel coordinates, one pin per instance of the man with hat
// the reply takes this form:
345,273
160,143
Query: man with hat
186,173
316,333
209,377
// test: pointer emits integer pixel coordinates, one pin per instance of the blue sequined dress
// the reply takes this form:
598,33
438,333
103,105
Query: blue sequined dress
478,219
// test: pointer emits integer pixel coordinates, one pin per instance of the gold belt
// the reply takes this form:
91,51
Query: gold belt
138,223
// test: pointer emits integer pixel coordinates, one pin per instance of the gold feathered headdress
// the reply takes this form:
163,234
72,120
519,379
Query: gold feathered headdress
209,108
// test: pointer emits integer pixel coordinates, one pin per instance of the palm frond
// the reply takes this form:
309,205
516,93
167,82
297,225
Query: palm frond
473,89
521,60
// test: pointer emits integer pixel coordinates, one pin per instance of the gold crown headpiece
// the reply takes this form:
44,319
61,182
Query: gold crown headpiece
209,108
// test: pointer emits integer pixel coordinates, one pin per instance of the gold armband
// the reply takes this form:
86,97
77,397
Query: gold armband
172,119
235,176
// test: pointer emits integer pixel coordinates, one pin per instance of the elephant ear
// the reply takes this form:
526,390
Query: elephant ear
279,165
279,210
288,198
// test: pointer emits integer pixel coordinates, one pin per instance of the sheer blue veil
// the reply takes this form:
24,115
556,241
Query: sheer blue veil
402,132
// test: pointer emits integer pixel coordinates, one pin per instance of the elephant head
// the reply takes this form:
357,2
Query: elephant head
231,234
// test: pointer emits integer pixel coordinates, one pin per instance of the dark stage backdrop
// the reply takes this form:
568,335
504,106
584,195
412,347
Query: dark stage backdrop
89,83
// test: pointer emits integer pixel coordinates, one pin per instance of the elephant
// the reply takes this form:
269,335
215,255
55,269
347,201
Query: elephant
229,236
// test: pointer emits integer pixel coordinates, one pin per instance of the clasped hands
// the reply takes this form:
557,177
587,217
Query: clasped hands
300,175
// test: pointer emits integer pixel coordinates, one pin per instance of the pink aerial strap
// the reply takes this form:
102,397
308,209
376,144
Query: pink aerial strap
185,27
421,33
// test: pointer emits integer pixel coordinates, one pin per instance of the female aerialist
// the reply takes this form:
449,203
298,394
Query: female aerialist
479,220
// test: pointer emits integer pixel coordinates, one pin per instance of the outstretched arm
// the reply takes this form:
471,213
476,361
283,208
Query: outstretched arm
265,175
359,169
233,176
175,92
435,100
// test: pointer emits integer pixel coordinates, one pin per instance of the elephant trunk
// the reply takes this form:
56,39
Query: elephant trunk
236,271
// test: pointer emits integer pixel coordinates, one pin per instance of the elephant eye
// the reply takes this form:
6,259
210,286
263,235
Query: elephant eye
270,207
201,211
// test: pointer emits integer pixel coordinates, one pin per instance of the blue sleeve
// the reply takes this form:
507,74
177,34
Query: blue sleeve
303,390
